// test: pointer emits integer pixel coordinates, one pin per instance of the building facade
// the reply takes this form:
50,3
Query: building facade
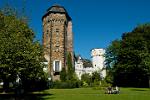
57,39
98,64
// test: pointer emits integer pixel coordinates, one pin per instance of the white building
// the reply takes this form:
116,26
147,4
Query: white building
79,68
97,64
98,61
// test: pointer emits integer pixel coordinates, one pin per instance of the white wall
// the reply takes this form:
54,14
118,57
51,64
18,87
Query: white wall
97,62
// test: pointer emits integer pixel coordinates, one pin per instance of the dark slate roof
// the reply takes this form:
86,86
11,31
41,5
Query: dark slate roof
57,9
87,63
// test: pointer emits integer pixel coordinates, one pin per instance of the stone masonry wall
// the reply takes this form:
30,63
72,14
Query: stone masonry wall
54,40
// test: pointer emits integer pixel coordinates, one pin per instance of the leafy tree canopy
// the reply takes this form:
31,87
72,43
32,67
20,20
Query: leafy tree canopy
19,55
131,57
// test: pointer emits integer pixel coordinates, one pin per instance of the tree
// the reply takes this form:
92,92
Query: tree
70,70
86,78
19,55
96,78
112,53
63,75
132,66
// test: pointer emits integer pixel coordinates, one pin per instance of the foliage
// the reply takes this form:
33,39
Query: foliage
87,79
132,58
112,53
109,77
96,79
91,80
19,55
65,85
70,70
85,84
63,75
67,76
95,76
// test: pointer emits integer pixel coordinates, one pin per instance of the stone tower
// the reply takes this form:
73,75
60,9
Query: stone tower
57,39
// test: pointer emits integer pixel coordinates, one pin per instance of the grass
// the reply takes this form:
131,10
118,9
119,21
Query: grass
84,94
92,94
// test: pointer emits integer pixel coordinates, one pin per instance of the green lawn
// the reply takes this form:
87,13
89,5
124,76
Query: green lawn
83,94
92,94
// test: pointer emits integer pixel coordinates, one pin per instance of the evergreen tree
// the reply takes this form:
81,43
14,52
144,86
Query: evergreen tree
70,71
63,75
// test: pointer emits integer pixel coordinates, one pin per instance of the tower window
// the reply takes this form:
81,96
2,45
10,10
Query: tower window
57,34
57,30
57,66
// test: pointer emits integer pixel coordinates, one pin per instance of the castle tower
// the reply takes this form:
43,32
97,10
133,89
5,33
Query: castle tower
57,39
98,61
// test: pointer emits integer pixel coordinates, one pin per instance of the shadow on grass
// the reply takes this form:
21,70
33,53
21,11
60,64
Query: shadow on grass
24,96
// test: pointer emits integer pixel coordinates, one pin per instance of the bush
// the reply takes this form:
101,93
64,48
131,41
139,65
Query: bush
85,84
66,84
105,83
86,78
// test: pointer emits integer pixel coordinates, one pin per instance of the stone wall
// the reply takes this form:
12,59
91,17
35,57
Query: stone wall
57,40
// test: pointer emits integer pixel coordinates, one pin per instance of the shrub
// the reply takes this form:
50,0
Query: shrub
66,85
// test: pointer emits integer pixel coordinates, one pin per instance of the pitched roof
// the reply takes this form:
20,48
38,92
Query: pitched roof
57,9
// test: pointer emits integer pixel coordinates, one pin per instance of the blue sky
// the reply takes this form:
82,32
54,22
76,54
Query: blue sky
95,22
